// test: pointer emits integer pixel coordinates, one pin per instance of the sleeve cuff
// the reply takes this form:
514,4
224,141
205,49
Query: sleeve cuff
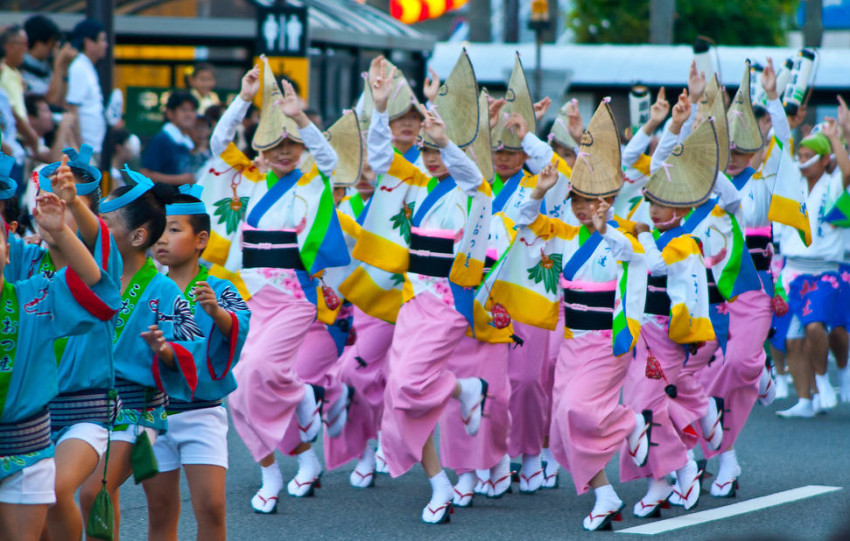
87,298
231,345
185,364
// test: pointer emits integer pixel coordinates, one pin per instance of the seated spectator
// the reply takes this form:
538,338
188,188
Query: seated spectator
202,82
167,157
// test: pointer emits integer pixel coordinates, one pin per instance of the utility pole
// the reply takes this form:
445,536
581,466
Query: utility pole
511,18
661,13
480,29
540,23
813,27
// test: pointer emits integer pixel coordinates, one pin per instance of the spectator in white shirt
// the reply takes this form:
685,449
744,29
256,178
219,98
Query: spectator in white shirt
84,96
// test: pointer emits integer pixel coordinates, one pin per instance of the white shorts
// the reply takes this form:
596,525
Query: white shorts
34,485
91,433
193,437
129,434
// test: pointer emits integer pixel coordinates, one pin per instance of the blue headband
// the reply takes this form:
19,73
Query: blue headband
194,207
80,160
143,185
6,165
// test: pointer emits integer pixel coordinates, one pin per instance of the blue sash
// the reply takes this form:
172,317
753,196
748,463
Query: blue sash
412,154
272,196
740,180
442,188
691,222
362,217
508,188
583,253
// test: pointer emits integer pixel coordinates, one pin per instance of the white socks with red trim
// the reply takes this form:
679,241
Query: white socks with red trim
265,500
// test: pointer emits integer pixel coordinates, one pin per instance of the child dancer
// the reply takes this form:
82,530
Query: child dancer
39,310
197,426
154,315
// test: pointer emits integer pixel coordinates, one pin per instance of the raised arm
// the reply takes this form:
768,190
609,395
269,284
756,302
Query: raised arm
639,142
380,139
841,157
64,186
49,214
781,128
654,261
225,130
681,113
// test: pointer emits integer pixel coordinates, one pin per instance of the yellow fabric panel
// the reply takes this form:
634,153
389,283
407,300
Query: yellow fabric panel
406,172
528,181
679,249
485,188
308,177
684,330
485,332
217,249
561,164
234,157
634,329
547,228
379,252
360,289
787,211
220,272
524,305
642,164
466,273
323,313
407,291
348,225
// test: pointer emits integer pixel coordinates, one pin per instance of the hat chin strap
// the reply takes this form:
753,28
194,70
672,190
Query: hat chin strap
810,162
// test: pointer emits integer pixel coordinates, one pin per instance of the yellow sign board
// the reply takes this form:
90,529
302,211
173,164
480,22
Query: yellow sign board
297,69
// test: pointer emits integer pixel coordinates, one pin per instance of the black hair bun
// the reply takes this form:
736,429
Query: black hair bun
164,193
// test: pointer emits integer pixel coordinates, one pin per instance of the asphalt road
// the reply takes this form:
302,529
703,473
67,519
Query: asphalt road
775,454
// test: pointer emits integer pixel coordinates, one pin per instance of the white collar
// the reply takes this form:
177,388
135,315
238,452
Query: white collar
177,136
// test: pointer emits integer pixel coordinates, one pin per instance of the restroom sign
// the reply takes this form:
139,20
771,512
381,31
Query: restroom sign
282,31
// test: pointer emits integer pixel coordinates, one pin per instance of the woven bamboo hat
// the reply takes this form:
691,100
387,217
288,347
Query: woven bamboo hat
402,97
597,171
457,104
274,126
518,99
481,151
560,134
744,133
344,136
712,105
687,176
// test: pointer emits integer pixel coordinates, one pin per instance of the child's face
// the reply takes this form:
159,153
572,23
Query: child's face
284,157
123,236
507,163
433,161
664,217
203,81
406,127
583,208
184,116
566,153
179,244
738,161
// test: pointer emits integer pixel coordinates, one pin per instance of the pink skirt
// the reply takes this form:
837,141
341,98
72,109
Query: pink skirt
418,383
314,363
554,349
362,366
641,393
263,405
691,401
528,368
458,450
589,424
736,380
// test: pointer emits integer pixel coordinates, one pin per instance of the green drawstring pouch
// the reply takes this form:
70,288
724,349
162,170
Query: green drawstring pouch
142,459
101,520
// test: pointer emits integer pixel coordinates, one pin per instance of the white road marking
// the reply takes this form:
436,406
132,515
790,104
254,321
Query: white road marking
728,511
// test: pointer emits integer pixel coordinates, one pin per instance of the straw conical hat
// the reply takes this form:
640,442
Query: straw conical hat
596,172
344,137
518,100
744,133
560,133
480,151
402,97
274,126
457,104
687,176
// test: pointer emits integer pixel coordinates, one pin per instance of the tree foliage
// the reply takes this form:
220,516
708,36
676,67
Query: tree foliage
727,22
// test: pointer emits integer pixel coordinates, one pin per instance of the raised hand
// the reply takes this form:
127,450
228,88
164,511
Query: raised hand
547,178
62,182
64,57
290,105
696,83
49,213
432,86
250,84
658,111
495,107
843,117
518,123
768,80
575,125
205,296
381,82
600,216
681,112
541,107
830,129
641,227
435,128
